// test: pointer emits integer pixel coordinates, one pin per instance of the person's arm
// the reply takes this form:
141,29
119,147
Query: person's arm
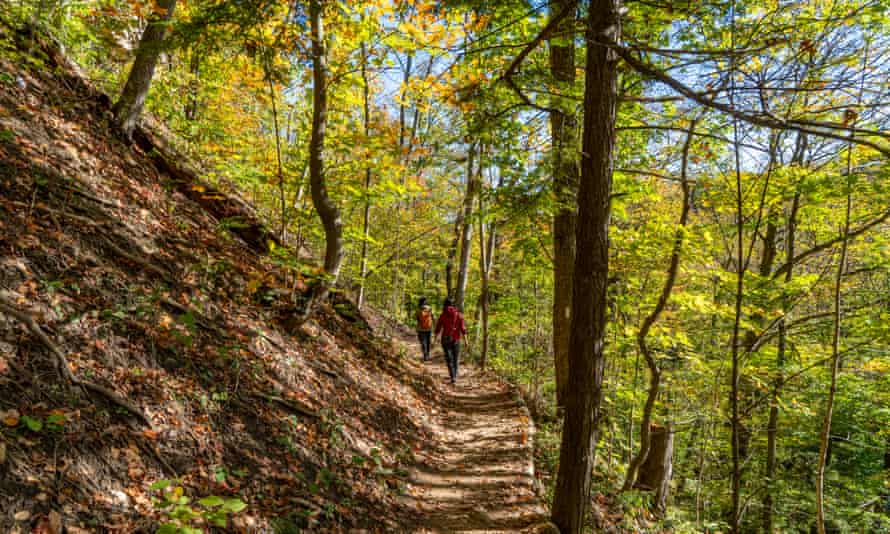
439,325
463,325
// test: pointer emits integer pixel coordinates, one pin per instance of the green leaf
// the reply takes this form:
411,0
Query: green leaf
55,419
234,505
218,518
168,528
35,424
211,501
161,484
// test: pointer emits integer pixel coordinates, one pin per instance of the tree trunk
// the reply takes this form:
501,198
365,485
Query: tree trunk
563,126
825,435
129,106
366,216
324,205
452,254
267,67
589,307
772,428
655,472
397,278
486,255
649,321
466,243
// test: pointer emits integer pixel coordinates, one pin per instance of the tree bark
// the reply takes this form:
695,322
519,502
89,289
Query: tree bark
282,196
563,126
773,422
129,106
825,435
656,470
466,235
366,215
589,307
452,253
324,205
649,321
486,260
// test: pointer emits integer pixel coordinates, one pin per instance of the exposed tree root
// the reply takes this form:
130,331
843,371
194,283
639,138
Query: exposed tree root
142,262
10,309
291,404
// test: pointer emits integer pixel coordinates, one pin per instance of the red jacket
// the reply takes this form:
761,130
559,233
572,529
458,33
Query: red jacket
451,324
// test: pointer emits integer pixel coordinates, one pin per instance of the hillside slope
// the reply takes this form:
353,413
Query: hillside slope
195,387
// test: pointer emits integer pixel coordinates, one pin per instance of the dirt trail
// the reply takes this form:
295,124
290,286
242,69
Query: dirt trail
477,474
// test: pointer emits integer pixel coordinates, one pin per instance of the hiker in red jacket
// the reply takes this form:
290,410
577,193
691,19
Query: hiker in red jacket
451,326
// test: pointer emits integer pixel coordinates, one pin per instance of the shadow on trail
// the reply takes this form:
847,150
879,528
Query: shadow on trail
477,475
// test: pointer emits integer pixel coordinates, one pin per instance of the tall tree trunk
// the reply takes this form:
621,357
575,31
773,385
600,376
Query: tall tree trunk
396,284
772,428
486,258
366,216
563,127
825,435
267,67
324,205
450,284
129,106
649,321
466,235
589,307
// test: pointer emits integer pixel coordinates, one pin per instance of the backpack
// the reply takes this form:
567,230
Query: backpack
424,320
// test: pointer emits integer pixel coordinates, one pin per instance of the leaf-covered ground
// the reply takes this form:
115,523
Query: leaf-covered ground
332,426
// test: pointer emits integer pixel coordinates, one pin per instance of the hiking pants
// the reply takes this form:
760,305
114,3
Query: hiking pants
424,338
452,355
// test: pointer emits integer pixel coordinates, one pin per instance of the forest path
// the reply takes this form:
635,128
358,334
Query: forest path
476,475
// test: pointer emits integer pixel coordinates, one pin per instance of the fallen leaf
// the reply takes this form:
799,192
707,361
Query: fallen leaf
22,515
55,522
10,418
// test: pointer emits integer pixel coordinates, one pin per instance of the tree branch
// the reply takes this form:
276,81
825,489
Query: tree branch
828,130
830,243
545,33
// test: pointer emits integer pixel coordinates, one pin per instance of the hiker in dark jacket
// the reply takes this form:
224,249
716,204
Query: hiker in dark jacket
451,326
424,327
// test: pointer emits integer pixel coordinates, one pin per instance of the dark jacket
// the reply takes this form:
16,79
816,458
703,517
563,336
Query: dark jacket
451,324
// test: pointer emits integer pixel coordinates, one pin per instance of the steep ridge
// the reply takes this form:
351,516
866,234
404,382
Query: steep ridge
197,388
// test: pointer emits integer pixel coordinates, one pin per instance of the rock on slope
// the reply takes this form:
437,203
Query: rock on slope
152,299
